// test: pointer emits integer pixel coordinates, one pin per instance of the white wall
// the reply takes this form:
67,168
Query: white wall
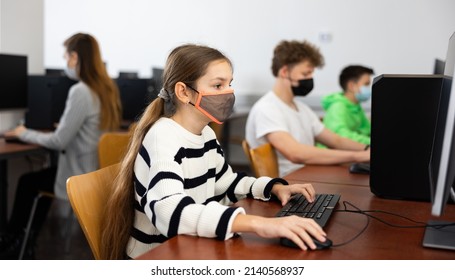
391,36
21,32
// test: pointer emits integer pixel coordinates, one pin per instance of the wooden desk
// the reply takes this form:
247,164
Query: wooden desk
379,241
7,151
332,174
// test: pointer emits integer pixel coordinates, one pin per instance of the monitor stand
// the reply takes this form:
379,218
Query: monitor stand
441,238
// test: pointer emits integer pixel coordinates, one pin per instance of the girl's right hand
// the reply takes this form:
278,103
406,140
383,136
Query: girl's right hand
299,230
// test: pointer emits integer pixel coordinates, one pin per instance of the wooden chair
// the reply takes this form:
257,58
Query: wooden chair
112,147
263,159
88,194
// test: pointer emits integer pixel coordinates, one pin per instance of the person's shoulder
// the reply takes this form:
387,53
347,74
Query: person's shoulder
208,133
161,134
162,126
80,89
265,101
334,98
80,86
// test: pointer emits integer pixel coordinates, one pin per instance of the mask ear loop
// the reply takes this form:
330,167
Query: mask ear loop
189,101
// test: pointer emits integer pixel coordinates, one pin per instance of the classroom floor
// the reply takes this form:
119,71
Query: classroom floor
53,242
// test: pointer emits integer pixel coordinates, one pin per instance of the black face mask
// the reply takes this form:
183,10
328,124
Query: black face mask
305,86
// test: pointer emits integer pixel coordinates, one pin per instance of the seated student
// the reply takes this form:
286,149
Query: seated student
290,125
93,106
343,113
175,179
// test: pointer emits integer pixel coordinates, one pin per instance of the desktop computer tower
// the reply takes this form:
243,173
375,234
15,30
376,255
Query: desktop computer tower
404,110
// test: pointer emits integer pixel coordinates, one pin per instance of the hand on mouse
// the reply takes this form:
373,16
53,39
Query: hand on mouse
302,231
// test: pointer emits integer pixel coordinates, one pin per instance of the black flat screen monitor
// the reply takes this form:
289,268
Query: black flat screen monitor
47,99
135,95
54,72
438,66
128,75
13,82
441,234
157,76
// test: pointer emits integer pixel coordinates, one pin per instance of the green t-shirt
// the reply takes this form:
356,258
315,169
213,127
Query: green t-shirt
346,118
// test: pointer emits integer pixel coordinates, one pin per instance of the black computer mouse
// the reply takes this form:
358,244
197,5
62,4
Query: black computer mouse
322,245
319,244
360,168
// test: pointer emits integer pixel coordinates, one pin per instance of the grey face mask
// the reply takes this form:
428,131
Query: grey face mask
216,106
71,73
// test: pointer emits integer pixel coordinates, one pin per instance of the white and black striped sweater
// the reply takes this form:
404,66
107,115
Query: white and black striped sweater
183,186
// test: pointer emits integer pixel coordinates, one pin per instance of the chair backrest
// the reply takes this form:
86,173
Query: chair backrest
112,147
88,194
263,159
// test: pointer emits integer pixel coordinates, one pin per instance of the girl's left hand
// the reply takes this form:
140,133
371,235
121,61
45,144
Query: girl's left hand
15,132
284,192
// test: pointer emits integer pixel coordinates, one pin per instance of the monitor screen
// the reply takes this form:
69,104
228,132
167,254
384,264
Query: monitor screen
128,75
438,66
46,100
135,95
442,162
13,81
54,72
157,76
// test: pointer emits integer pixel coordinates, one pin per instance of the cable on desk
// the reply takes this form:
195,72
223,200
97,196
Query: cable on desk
423,224
361,231
367,214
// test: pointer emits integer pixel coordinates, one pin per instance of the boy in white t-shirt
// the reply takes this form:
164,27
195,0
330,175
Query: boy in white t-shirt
290,125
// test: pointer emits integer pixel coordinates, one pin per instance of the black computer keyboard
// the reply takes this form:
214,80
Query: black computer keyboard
14,140
320,210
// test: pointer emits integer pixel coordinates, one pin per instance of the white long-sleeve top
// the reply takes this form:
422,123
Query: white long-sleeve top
183,185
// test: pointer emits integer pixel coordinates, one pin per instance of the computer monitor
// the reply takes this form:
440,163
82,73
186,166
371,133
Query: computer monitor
157,76
13,82
54,72
438,66
128,75
135,95
47,99
442,161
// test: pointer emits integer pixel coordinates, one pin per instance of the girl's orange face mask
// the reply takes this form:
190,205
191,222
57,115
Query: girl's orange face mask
217,106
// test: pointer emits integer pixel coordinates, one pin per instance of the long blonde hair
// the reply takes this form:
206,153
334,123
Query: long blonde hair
91,70
186,64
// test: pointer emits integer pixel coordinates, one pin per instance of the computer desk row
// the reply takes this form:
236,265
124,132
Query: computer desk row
378,241
332,174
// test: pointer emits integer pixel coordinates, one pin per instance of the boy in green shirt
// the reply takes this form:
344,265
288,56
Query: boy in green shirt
343,113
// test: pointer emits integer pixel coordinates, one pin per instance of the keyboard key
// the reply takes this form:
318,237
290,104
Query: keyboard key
320,210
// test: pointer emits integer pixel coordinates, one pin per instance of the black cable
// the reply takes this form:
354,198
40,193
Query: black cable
365,212
359,233
368,216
